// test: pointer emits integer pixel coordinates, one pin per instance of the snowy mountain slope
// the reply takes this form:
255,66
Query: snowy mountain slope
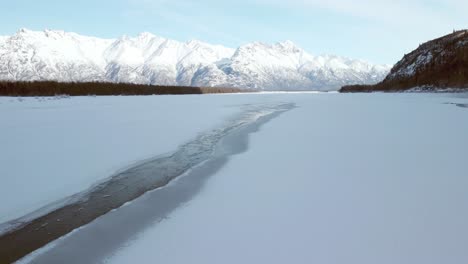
149,59
54,55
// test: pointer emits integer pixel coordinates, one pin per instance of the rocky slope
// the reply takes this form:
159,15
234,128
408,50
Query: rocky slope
149,59
439,64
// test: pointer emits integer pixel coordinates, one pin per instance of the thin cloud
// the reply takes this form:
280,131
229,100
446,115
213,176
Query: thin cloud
394,13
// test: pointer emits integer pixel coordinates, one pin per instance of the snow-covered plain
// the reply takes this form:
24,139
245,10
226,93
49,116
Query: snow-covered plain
341,178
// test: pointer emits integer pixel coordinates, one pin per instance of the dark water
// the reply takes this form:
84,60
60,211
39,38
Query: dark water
463,103
459,104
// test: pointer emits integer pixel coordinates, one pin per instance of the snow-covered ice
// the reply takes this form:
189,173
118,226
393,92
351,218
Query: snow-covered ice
341,178
52,148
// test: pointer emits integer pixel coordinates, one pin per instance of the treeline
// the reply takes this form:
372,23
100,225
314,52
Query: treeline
52,88
359,88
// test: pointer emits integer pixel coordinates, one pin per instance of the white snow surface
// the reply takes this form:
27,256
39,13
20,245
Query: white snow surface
342,178
52,148
150,59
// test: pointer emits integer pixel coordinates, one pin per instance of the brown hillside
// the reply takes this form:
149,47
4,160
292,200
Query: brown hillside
438,64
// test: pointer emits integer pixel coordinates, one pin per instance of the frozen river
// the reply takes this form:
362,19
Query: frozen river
331,178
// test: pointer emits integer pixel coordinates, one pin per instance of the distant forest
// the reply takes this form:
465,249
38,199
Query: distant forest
51,88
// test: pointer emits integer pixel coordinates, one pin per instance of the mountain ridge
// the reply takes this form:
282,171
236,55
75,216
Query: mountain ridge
56,55
439,64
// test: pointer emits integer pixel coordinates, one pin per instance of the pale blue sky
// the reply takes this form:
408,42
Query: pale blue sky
379,31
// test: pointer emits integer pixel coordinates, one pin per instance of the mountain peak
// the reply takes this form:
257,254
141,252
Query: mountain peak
54,33
288,45
194,43
146,35
23,31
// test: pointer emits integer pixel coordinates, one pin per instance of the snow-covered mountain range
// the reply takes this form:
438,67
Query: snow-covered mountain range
149,59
